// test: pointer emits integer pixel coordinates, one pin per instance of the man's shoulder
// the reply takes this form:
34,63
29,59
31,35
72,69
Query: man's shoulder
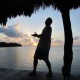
47,29
50,28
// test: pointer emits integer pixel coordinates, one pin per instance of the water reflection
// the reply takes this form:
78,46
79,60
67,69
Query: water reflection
8,58
18,58
22,58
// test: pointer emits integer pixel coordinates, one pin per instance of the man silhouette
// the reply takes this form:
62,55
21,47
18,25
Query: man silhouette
43,47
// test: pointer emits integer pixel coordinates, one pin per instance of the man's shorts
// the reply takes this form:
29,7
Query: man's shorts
41,54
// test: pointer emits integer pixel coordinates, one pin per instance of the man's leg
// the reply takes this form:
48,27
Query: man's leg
35,62
49,67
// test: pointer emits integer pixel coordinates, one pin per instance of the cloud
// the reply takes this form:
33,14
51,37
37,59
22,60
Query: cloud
76,38
58,41
13,34
11,31
76,41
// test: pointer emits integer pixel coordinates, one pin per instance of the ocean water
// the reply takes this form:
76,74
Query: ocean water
22,58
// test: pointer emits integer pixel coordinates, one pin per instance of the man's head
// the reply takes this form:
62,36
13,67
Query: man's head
48,21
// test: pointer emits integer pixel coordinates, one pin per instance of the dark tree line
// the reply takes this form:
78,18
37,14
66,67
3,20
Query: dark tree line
5,44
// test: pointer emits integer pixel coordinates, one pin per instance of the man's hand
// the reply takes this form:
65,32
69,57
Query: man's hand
35,34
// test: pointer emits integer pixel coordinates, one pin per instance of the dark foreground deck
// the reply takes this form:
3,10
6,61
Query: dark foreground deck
12,74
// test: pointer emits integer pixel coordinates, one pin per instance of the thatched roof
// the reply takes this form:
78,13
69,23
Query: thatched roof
13,8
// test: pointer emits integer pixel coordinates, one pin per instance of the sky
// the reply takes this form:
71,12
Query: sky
19,29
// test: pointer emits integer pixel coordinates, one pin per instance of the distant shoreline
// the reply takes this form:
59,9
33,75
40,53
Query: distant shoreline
5,44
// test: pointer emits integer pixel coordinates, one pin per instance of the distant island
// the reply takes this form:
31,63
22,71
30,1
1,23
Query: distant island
5,44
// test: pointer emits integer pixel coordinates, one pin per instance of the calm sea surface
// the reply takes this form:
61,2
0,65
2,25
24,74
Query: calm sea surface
22,58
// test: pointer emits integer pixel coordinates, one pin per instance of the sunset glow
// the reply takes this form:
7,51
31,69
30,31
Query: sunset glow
57,44
34,44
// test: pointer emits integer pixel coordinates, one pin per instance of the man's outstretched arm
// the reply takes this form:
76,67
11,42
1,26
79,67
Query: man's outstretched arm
39,35
36,35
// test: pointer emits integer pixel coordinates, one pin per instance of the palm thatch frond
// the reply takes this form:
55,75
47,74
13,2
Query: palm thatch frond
12,8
